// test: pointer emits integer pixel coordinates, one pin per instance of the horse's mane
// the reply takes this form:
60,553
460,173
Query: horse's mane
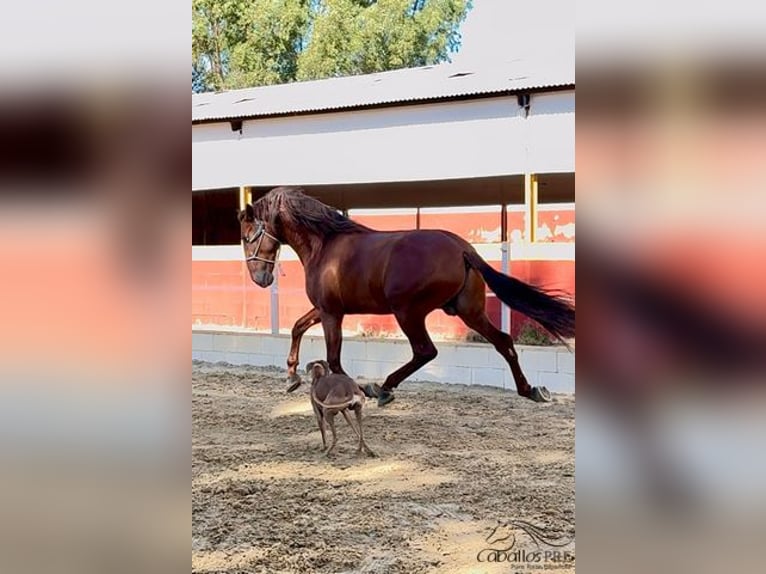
305,211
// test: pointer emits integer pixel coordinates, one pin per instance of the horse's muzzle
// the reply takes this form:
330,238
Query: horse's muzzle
263,278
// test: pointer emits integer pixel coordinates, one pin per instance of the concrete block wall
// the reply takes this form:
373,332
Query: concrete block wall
461,363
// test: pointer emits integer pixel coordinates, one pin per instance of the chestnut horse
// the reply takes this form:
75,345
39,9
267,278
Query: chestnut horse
352,269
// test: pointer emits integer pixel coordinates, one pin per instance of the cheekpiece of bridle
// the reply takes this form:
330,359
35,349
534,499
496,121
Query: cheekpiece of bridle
257,238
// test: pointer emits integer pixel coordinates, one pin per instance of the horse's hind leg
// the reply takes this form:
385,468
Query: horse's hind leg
471,310
504,345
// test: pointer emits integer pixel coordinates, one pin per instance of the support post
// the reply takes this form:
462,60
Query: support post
505,262
274,289
245,196
275,302
530,205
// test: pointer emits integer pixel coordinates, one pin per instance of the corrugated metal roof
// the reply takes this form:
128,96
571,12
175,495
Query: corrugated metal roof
441,81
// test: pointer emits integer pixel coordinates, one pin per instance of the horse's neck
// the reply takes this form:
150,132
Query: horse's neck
305,246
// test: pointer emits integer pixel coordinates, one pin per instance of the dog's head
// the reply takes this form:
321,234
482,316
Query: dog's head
318,369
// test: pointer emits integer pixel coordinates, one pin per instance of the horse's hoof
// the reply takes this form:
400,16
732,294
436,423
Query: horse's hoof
385,397
371,390
295,381
540,395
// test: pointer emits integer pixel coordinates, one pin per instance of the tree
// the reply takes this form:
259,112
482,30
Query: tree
239,43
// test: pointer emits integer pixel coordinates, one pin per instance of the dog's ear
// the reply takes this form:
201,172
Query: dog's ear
308,367
326,366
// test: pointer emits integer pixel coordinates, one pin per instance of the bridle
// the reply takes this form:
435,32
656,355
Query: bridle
257,236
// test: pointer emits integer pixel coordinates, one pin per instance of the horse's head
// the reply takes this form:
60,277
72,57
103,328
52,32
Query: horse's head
261,247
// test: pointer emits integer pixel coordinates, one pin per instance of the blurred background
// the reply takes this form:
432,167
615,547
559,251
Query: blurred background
94,345
671,473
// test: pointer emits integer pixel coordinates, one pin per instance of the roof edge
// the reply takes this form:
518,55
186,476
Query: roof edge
390,104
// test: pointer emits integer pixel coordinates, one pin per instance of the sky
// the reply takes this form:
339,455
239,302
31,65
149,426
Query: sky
500,30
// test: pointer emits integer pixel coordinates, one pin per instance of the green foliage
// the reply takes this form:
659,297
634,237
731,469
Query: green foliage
473,337
237,43
240,43
531,334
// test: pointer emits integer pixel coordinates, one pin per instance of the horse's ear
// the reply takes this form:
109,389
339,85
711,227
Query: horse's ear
247,214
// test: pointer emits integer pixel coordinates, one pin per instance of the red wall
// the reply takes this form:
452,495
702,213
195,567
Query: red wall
555,220
223,293
482,227
388,222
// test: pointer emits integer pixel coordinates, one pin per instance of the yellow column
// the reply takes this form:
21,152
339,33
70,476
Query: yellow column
530,204
245,196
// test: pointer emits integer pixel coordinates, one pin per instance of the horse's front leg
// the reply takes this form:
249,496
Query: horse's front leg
413,323
333,337
301,326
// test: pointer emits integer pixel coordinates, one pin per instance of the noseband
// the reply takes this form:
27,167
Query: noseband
257,236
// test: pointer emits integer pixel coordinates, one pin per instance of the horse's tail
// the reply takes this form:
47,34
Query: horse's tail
552,311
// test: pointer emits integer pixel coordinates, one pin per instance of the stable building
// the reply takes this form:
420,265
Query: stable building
485,152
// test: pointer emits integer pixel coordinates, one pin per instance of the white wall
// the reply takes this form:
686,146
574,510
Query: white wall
457,363
475,138
489,251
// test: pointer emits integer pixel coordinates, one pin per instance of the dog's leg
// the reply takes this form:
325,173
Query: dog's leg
320,422
348,420
362,444
330,416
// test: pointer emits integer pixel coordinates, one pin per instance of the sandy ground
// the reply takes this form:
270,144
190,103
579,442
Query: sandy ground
453,463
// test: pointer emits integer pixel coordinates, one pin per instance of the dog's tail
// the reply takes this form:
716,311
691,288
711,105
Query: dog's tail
355,400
